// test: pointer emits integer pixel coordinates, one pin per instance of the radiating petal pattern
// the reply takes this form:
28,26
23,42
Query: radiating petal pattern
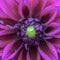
29,30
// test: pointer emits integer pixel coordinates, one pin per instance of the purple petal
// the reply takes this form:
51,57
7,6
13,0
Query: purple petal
49,14
8,8
28,56
52,33
7,49
48,52
23,8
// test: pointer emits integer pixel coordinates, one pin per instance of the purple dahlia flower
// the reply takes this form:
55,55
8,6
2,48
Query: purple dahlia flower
29,30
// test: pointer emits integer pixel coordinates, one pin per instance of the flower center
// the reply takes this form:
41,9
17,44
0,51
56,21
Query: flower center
30,31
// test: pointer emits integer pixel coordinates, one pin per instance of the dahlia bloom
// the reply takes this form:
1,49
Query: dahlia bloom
29,30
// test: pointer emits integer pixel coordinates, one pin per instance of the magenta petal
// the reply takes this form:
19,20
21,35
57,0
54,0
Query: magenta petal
33,53
54,32
7,8
50,53
46,57
49,14
4,43
14,54
3,15
56,43
23,8
27,56
7,32
7,49
38,56
54,24
20,55
3,27
37,7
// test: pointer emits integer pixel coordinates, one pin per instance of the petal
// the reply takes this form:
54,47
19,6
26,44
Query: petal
54,32
27,56
22,55
4,43
47,51
8,21
57,19
38,56
11,50
14,54
2,14
9,8
56,43
3,27
37,7
54,24
6,50
48,14
8,37
33,53
23,8
7,32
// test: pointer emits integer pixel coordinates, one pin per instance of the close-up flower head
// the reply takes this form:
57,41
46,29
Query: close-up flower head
29,30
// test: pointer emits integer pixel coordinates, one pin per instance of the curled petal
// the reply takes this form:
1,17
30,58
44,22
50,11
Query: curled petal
49,14
54,24
23,8
48,52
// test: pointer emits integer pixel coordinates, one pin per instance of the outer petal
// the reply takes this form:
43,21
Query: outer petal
4,43
37,7
6,32
3,15
48,14
23,8
48,52
11,50
10,8
23,55
56,43
33,53
32,6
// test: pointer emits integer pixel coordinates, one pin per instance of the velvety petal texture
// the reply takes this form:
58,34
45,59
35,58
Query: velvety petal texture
16,14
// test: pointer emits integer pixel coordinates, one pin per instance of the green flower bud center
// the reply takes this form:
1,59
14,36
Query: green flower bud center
30,32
